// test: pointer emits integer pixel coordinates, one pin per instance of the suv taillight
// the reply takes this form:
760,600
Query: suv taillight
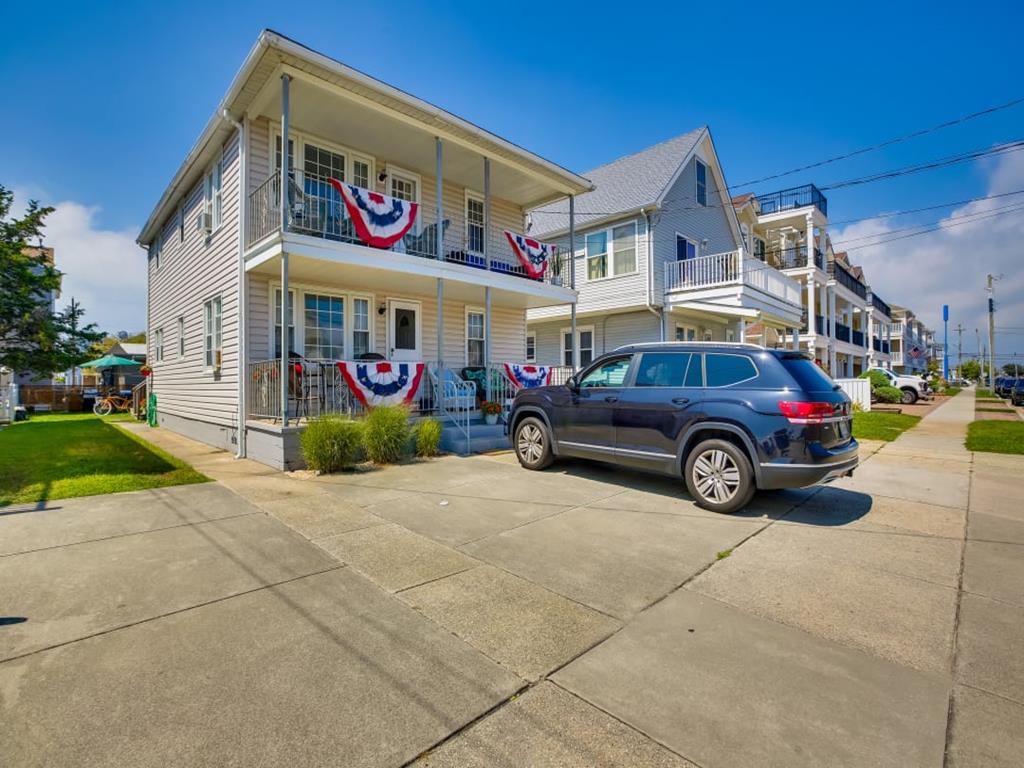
805,413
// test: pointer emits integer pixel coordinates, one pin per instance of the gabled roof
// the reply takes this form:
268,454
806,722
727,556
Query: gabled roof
740,200
622,186
130,348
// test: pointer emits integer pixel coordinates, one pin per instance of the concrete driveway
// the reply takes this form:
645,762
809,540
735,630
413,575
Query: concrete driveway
464,612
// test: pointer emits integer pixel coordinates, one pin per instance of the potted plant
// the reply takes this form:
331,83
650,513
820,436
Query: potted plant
145,370
491,411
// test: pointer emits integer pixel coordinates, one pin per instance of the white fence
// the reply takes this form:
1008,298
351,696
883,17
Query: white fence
859,391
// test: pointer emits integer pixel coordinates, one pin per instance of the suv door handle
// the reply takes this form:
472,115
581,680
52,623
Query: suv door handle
611,399
680,400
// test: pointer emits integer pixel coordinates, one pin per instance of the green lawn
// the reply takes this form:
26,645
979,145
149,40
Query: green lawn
983,393
57,456
996,436
878,425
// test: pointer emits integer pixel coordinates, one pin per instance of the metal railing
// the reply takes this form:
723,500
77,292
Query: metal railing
796,197
842,332
794,257
880,305
316,209
858,337
845,278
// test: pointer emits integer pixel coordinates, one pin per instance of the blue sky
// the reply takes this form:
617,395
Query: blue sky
114,94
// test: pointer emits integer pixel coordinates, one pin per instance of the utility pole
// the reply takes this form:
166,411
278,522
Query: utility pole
992,328
959,349
945,342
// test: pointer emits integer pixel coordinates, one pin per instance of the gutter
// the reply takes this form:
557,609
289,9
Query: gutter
243,171
658,313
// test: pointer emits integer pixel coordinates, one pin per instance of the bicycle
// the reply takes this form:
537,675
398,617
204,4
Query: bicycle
104,406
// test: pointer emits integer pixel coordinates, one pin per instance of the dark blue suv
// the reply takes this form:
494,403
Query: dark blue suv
731,418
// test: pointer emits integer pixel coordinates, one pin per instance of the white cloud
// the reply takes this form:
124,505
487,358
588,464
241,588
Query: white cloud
104,270
949,266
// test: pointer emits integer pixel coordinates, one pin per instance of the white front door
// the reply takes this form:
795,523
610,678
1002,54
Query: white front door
405,334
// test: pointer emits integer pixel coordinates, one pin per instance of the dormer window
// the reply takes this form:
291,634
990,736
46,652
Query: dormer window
702,182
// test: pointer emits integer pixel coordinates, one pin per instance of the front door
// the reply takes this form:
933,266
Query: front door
405,335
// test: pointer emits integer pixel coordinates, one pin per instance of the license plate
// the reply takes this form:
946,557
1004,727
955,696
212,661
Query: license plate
844,428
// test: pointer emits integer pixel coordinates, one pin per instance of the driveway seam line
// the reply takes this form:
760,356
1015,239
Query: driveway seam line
148,619
986,691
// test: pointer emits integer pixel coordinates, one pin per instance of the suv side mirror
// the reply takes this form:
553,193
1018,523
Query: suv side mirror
572,384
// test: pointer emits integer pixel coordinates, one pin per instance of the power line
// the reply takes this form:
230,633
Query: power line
932,229
893,214
982,214
886,143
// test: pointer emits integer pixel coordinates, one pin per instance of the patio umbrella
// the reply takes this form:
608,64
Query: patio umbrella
109,361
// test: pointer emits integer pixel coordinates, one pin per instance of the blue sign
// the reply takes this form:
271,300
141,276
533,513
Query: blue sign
945,313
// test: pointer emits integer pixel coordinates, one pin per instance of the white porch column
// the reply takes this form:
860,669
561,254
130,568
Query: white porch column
795,338
487,290
741,330
574,347
812,309
487,342
439,254
849,366
809,241
285,206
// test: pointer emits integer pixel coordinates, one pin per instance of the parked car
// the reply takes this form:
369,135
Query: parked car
1003,385
1017,393
912,387
959,383
729,418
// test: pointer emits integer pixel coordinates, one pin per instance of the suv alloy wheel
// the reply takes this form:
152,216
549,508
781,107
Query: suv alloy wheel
533,444
719,476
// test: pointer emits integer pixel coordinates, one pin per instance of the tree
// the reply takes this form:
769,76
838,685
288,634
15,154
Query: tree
934,369
32,336
971,369
1013,369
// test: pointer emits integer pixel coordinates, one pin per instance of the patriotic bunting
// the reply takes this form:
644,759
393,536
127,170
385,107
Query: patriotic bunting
533,255
528,376
382,383
380,221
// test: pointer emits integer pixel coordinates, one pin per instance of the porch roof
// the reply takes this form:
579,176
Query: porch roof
274,53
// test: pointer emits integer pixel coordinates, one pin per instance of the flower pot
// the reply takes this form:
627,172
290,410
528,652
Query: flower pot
491,419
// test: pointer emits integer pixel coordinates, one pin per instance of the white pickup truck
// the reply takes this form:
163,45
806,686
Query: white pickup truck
912,387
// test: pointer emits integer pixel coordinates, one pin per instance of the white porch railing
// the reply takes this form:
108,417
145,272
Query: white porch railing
730,268
859,391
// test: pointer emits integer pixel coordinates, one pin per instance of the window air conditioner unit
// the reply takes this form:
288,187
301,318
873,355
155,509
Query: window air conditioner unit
204,222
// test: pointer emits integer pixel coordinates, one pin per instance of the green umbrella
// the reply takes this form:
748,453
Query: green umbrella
108,361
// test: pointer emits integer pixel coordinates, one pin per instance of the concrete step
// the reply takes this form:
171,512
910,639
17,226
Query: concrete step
482,437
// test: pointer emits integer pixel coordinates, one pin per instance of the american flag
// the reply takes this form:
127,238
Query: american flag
916,352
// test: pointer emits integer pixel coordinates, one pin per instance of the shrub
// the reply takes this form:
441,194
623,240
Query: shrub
857,407
330,443
888,395
428,437
878,380
386,434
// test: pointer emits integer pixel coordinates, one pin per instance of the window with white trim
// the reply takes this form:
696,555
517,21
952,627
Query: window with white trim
360,326
624,249
686,333
474,224
585,341
531,347
597,255
323,163
361,173
475,352
323,326
212,346
702,182
213,193
685,248
277,322
403,187
181,336
158,345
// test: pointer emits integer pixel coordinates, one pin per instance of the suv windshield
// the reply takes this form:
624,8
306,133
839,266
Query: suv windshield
807,374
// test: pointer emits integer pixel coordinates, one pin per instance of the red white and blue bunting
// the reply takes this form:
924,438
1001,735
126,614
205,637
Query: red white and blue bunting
533,255
380,221
528,376
382,383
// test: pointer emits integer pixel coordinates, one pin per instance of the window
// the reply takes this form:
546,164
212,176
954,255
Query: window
624,245
695,373
158,345
686,333
213,193
360,326
702,182
759,248
322,163
474,224
212,333
277,322
181,224
531,347
611,373
277,153
361,173
685,248
154,252
323,327
597,255
475,338
585,340
181,336
403,188
726,370
662,369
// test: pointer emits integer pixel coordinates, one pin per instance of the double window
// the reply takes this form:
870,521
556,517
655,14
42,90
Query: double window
702,182
475,335
212,345
611,251
334,326
585,341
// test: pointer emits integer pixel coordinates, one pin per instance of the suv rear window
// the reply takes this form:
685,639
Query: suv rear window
807,374
723,370
662,369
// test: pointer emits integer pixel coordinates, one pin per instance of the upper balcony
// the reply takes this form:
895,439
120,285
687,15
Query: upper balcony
794,257
792,199
846,279
880,305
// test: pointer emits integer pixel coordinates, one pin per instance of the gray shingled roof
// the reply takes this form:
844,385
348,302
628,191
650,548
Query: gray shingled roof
622,185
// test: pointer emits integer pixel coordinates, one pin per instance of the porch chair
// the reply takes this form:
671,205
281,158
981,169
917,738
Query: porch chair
456,393
425,243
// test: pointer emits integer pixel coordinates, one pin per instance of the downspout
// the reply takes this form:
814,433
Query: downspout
242,293
650,276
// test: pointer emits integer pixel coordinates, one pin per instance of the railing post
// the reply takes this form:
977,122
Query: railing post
487,214
573,346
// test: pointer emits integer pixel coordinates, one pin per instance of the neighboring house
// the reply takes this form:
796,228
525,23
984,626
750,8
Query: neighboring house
658,255
844,322
124,377
909,342
221,252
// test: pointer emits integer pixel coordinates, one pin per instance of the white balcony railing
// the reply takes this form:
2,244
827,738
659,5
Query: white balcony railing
722,269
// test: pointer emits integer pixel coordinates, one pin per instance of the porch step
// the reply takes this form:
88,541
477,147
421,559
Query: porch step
482,437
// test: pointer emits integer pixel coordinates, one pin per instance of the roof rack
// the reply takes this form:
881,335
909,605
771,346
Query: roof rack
739,344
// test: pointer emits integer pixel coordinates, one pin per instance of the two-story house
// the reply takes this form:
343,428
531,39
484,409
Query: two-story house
844,323
261,278
657,254
909,344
